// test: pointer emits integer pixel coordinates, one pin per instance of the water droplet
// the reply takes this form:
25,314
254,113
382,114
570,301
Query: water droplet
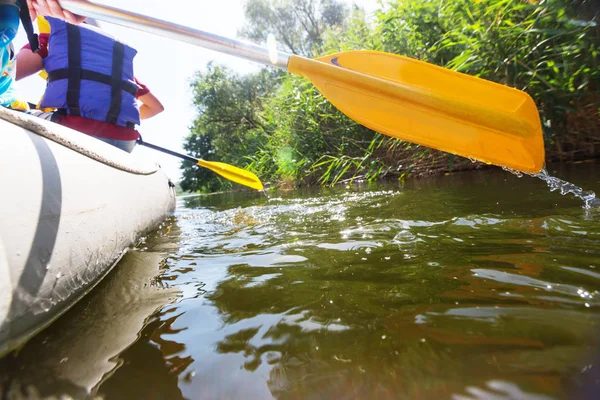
587,305
549,286
519,174
383,337
565,188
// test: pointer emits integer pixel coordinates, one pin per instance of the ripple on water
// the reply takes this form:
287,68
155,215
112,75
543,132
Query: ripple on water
388,293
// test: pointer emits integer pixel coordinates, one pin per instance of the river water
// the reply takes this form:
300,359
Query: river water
477,285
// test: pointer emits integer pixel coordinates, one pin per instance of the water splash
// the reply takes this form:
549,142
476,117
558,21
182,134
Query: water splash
588,196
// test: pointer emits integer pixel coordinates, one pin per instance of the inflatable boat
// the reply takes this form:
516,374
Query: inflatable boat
70,207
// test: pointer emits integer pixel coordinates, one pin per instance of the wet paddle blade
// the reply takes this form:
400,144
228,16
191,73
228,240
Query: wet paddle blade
233,174
432,106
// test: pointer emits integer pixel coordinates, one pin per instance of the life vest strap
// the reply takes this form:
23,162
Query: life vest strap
89,75
32,37
116,83
74,77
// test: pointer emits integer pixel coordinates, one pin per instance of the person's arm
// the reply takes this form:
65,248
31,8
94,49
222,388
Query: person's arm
52,8
28,63
150,103
150,106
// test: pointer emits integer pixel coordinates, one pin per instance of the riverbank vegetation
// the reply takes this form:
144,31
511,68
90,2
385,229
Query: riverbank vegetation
282,128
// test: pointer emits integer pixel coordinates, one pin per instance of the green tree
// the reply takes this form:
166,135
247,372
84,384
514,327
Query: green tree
229,125
298,25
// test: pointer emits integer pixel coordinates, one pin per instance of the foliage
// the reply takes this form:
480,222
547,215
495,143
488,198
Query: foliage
229,125
308,134
298,25
282,127
547,48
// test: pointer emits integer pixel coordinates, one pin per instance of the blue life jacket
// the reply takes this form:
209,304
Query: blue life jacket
90,74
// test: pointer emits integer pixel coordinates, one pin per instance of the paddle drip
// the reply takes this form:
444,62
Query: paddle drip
588,196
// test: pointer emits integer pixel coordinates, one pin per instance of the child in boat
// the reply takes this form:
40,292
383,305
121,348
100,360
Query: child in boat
9,24
99,99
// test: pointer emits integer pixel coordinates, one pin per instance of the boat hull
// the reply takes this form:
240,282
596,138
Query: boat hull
71,205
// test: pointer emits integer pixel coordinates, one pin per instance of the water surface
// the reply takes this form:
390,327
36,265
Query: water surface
465,286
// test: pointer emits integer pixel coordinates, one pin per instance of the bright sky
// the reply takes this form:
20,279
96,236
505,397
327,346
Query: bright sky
167,66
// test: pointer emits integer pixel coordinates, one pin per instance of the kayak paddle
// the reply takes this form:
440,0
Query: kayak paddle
234,174
397,96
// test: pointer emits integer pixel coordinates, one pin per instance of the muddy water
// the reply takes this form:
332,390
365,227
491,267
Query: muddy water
466,286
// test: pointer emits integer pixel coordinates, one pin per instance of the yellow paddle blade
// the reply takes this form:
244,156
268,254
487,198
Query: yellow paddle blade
432,106
232,173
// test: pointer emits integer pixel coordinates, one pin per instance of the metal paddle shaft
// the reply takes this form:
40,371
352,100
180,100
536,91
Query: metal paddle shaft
178,32
227,171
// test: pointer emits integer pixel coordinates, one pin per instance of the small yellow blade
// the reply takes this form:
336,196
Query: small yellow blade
232,173
432,106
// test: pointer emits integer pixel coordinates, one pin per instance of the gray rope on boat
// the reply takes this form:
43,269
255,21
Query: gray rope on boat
78,142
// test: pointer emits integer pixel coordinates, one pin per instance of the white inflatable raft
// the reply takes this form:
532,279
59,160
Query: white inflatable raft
70,206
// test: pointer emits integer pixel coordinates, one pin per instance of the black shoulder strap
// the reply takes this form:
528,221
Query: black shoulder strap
74,84
116,83
32,37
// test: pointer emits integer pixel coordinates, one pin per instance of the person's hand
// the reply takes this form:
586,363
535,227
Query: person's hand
52,8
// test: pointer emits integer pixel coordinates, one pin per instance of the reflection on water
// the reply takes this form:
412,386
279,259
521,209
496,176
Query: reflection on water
468,286
149,369
88,345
